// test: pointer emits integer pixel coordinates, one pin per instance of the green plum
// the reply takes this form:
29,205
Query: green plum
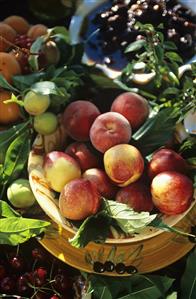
35,103
45,123
20,195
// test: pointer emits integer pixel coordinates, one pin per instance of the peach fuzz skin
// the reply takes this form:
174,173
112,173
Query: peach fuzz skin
172,192
132,106
123,164
79,199
60,169
109,129
104,185
78,118
82,154
166,160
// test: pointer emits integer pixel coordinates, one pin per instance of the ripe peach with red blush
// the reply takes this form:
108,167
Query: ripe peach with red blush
123,164
79,199
132,106
137,196
104,185
109,129
78,118
172,192
166,160
83,155
60,169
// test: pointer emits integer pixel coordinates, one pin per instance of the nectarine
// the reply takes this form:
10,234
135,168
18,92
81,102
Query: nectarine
123,164
7,33
172,192
166,160
78,118
132,106
79,199
9,66
109,129
18,23
60,169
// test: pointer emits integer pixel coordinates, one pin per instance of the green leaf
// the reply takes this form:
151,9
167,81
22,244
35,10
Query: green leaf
16,230
173,56
6,85
23,82
128,220
7,211
156,131
137,45
94,228
59,31
159,52
45,87
173,295
169,45
188,281
171,91
16,157
102,81
35,49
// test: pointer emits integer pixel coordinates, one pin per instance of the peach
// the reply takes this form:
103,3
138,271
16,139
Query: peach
165,160
79,199
132,106
10,112
172,192
83,155
100,179
109,129
59,169
7,33
137,196
36,31
78,118
9,66
123,164
18,23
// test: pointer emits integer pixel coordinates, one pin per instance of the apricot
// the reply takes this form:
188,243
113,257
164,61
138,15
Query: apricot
36,31
8,33
9,66
137,196
79,199
132,106
166,160
123,164
78,118
9,113
59,169
109,129
104,185
172,192
83,155
18,23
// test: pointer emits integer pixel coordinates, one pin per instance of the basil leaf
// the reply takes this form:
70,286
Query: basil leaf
128,220
16,230
188,281
173,56
168,45
7,211
94,228
156,131
59,31
138,44
16,157
6,85
173,295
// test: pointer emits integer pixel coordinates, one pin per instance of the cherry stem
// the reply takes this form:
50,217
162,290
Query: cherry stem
24,50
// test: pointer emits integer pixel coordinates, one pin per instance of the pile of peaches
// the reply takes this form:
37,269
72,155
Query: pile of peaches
102,161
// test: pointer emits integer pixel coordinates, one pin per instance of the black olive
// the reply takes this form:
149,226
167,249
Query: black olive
120,268
193,232
98,267
109,266
131,269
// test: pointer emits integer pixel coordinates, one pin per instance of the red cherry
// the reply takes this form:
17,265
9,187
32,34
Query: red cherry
17,263
2,272
22,284
38,254
7,285
61,282
55,297
39,276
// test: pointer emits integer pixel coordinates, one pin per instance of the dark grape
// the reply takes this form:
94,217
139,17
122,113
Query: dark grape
109,266
120,268
98,267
